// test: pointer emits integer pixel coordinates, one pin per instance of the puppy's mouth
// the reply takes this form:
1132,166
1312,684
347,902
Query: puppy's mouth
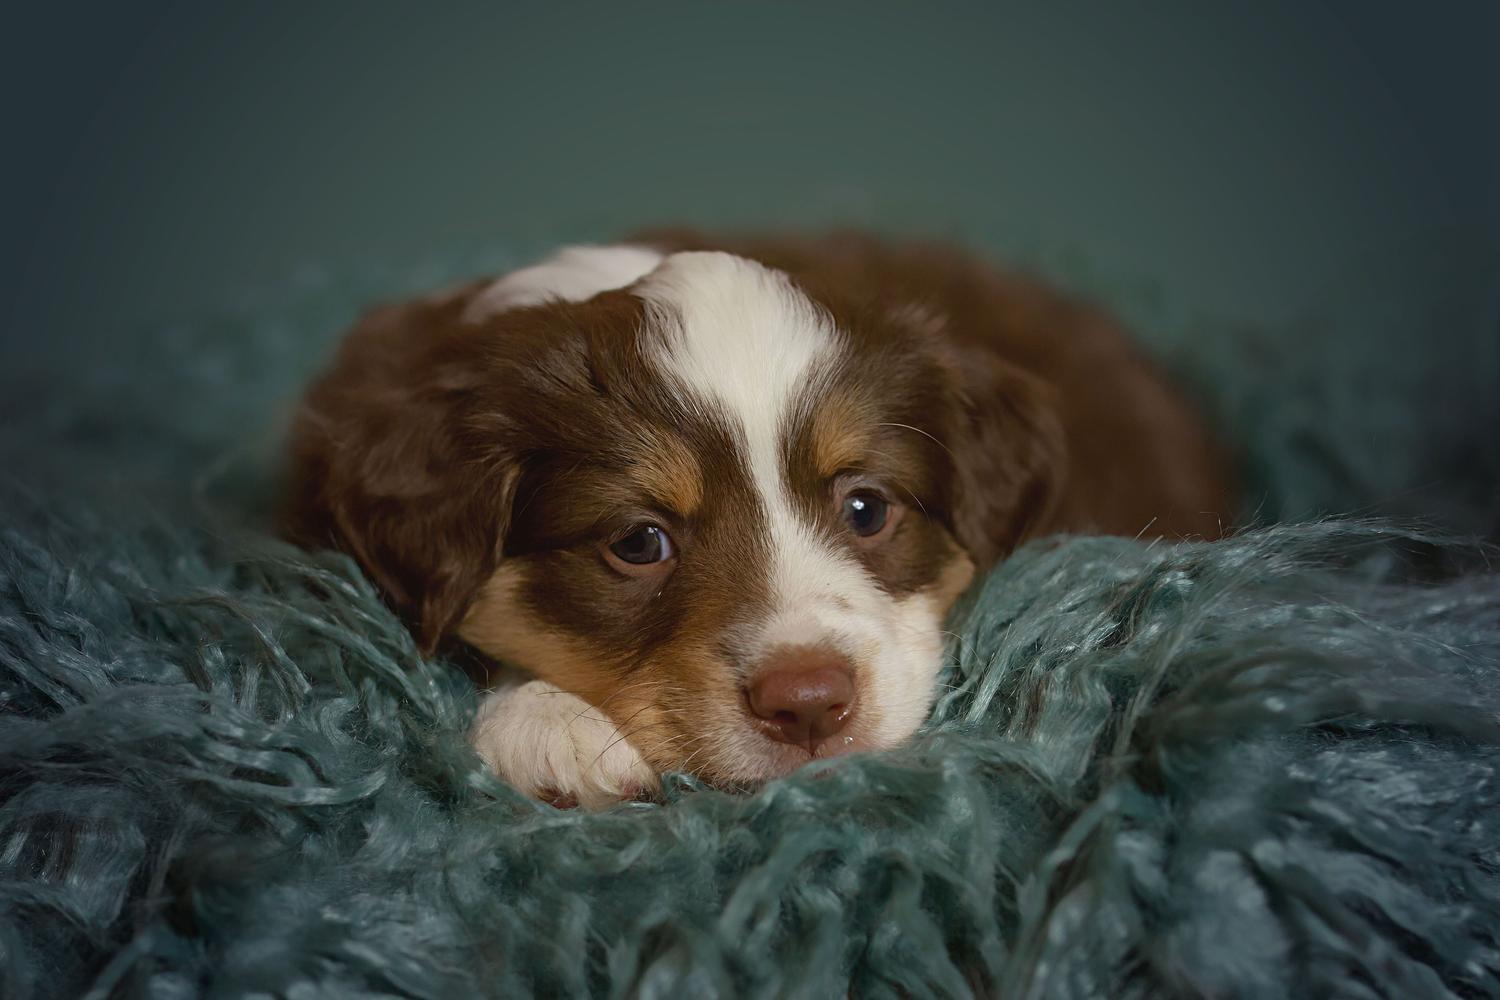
782,758
765,758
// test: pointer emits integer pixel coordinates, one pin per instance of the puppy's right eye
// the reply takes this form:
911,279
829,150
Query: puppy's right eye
865,512
645,547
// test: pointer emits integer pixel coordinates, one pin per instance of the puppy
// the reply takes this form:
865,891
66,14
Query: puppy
716,496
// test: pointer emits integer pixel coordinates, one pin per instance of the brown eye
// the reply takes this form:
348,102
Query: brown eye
646,544
866,513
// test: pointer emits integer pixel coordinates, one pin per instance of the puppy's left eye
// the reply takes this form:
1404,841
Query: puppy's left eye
866,513
645,545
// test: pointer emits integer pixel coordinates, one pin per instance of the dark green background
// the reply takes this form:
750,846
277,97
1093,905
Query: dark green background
1255,162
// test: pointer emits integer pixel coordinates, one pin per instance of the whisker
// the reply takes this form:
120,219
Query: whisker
624,735
621,689
920,431
883,476
632,715
892,478
619,728
687,764
622,738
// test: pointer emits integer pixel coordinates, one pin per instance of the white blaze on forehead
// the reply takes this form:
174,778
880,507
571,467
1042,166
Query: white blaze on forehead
741,335
573,274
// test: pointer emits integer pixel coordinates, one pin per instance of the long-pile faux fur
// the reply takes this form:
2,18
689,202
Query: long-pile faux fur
1263,767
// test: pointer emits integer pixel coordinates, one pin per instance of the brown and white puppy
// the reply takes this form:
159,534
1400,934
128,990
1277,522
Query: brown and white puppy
716,496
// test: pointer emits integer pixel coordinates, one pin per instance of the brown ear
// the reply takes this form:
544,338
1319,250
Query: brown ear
389,466
1009,451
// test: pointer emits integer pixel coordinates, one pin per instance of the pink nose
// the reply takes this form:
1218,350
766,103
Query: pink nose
802,695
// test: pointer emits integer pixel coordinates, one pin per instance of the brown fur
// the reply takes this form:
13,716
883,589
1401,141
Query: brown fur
1115,449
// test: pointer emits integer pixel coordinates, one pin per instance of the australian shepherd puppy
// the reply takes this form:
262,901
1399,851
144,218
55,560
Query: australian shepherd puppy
708,500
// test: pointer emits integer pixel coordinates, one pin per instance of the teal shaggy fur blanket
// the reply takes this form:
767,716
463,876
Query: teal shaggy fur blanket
1262,767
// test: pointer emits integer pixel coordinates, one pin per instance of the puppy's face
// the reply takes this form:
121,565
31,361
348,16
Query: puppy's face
729,511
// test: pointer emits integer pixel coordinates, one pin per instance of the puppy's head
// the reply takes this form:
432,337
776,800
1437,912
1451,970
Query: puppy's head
730,512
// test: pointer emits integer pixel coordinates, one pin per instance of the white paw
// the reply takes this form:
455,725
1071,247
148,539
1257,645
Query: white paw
555,746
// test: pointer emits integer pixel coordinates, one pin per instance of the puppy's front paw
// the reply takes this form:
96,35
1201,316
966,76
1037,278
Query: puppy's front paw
557,747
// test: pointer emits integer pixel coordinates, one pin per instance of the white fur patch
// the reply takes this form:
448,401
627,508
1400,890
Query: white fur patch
573,274
742,336
541,739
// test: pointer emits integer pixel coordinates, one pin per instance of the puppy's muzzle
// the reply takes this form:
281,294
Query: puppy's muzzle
802,695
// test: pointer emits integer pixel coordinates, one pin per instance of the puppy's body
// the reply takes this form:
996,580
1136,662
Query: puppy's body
716,496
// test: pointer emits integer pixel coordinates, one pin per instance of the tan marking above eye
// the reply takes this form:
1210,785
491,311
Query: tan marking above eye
841,432
669,471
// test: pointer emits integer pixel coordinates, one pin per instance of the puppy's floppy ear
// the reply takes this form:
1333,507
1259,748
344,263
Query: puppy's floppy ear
392,464
1008,449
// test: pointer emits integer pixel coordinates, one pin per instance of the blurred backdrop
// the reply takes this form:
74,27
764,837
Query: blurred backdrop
1330,168
164,156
